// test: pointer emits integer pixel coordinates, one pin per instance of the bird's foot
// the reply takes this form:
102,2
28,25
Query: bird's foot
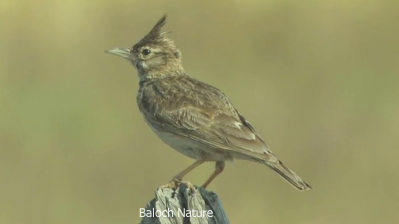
189,186
173,184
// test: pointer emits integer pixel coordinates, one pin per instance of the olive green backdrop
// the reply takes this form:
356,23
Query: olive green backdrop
317,79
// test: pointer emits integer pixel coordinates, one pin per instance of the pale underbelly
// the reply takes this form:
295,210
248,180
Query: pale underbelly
191,148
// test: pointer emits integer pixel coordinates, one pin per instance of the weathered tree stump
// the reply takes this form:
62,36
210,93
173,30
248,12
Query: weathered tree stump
183,205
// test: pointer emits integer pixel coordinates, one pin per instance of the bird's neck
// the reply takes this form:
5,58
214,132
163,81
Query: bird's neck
161,72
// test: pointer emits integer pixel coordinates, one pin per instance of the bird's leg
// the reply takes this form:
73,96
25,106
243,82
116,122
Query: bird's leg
183,173
174,183
219,167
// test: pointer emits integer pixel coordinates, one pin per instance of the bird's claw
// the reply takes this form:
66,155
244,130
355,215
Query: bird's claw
173,184
189,185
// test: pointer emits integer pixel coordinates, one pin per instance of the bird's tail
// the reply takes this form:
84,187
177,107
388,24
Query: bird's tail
288,175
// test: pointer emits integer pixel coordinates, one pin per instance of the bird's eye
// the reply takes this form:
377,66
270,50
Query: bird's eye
146,52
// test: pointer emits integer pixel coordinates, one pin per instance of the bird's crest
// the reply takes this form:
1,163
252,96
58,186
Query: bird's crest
156,35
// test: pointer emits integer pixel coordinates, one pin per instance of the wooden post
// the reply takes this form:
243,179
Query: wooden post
183,205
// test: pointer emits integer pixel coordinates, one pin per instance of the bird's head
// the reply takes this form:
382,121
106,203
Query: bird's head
154,56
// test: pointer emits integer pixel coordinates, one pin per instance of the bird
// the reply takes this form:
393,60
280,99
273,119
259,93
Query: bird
192,117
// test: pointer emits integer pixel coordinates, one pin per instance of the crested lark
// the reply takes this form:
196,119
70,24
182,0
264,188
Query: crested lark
194,118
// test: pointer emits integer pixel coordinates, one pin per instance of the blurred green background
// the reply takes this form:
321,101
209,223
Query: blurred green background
317,79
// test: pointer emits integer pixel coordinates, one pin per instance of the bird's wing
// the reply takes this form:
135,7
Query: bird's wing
221,130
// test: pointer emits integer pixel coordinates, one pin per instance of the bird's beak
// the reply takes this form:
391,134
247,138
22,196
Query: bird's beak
120,51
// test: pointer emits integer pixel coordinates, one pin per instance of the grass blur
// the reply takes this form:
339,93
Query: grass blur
317,79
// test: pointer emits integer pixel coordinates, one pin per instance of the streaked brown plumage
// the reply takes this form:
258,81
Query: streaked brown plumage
195,118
